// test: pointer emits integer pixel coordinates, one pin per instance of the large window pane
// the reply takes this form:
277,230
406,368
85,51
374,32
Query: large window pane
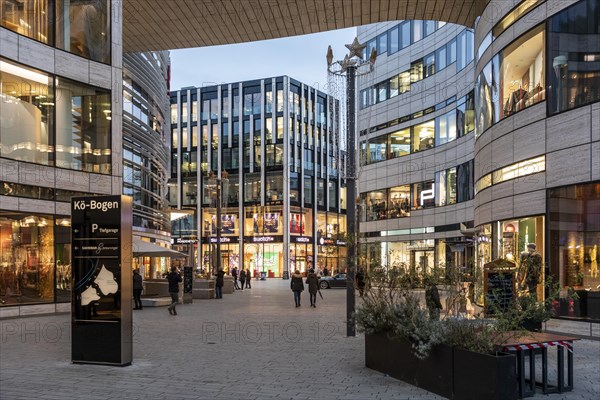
393,40
399,202
423,136
399,143
377,149
84,28
522,72
574,59
33,19
405,34
26,114
83,127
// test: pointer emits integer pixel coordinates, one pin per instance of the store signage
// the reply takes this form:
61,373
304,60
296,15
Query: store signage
224,239
101,256
263,239
179,240
301,239
326,242
427,194
340,242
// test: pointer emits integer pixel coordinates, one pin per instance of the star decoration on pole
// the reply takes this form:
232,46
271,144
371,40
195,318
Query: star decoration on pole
356,49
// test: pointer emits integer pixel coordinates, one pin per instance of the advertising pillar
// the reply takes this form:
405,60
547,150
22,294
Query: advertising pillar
101,320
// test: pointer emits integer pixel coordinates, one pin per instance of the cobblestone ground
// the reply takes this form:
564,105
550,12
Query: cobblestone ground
253,344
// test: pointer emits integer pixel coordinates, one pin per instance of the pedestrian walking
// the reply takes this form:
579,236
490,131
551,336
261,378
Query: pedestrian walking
297,286
174,277
234,273
360,282
242,279
325,272
219,284
432,299
138,286
312,280
248,278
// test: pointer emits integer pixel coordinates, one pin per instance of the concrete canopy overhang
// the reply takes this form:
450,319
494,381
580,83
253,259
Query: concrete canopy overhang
175,24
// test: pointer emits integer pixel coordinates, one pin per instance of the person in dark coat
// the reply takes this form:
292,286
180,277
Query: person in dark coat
174,277
297,286
312,280
234,273
138,286
248,279
219,284
242,279
360,282
432,300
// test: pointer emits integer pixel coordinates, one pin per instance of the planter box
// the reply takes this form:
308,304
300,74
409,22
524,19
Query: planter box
396,359
484,376
449,372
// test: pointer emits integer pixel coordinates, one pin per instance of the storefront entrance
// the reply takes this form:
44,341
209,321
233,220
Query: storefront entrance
264,258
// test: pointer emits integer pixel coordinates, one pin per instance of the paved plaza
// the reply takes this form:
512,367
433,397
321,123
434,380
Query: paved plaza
253,344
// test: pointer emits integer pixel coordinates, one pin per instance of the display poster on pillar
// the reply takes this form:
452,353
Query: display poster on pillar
102,280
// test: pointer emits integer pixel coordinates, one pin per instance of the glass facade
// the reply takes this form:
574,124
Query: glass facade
513,80
574,57
35,258
421,68
66,124
412,139
574,236
257,199
82,27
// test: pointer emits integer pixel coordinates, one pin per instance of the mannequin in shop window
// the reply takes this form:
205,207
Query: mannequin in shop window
530,269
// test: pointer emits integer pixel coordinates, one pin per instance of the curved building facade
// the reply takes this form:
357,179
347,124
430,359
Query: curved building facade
146,149
416,123
462,166
537,149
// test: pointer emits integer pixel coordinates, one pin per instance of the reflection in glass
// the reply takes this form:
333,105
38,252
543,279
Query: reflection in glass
33,19
84,28
26,114
574,59
83,127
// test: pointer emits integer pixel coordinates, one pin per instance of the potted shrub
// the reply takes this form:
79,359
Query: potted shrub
452,357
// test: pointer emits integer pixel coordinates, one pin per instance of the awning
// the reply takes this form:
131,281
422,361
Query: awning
147,249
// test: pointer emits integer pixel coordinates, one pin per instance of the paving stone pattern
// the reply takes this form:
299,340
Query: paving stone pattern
253,344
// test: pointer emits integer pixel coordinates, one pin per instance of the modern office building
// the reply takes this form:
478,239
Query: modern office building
475,144
273,145
63,81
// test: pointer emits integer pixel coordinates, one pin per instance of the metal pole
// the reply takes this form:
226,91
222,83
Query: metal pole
218,224
351,199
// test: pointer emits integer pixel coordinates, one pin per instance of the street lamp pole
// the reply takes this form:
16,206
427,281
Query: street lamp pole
219,227
351,66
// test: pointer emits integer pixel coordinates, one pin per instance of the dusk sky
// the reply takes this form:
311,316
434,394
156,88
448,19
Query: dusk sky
300,57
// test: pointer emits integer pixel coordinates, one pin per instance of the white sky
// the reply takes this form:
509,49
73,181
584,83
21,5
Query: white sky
300,57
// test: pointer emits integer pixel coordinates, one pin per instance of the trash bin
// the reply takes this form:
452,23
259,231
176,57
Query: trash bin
263,276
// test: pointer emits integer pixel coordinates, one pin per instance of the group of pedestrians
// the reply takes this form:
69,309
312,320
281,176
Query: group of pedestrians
297,286
244,276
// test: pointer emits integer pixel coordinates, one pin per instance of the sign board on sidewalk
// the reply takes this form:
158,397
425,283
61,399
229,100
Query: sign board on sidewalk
102,280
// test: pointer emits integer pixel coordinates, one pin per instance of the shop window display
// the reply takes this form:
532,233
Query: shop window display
27,260
575,236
